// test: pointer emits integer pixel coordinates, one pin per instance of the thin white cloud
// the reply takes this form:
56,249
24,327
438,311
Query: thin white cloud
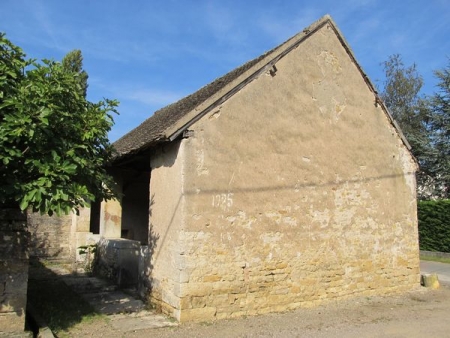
53,27
42,17
152,97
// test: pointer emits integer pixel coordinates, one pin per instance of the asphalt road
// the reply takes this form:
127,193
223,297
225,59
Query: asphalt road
441,269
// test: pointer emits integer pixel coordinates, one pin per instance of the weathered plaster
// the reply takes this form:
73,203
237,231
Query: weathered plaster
110,218
166,235
297,189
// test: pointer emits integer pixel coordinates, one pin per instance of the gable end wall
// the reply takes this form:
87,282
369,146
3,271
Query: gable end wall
297,190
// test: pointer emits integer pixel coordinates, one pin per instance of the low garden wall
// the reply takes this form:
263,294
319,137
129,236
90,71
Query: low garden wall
14,239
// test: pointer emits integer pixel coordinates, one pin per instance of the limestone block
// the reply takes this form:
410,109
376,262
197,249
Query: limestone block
185,303
198,302
198,315
226,287
219,300
430,281
12,321
197,289
211,278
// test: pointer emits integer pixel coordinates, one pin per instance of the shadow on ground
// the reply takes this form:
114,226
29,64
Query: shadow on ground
53,301
62,300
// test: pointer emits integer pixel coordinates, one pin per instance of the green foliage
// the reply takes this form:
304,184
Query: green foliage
425,257
439,121
73,62
401,89
54,147
434,225
89,251
401,96
424,121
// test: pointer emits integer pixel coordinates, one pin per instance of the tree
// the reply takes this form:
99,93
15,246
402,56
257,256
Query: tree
439,122
411,111
73,62
401,96
54,147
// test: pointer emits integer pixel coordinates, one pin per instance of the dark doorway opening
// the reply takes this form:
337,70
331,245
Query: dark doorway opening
135,205
94,224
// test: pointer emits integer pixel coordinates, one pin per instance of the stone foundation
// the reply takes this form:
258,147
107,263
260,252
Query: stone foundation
225,293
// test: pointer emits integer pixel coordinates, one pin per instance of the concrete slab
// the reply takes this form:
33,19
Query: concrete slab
441,269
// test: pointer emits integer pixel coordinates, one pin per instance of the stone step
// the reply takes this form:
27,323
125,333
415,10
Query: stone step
140,320
113,302
84,284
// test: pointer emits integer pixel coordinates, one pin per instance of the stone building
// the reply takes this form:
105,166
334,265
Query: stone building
279,185
282,184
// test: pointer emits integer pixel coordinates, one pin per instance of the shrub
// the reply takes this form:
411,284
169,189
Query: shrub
434,225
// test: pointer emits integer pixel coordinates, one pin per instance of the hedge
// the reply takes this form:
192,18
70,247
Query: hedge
434,225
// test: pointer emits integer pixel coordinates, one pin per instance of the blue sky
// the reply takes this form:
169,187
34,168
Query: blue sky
148,54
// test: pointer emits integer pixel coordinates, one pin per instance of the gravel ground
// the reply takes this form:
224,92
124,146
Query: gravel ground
420,313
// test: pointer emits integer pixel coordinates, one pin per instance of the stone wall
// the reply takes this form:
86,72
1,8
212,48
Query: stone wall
50,237
13,270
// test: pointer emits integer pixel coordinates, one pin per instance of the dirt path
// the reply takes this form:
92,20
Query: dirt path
417,314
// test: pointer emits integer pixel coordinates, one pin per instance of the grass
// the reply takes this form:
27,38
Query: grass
59,306
435,259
